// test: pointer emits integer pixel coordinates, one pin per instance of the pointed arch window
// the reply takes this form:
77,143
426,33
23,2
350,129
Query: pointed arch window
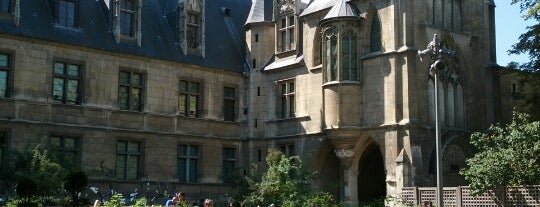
375,34
330,54
348,55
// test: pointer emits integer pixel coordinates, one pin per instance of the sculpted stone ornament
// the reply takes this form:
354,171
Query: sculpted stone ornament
285,6
436,53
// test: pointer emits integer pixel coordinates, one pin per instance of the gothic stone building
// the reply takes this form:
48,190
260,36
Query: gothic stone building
179,94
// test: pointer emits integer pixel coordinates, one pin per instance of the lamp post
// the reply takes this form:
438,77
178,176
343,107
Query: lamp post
437,53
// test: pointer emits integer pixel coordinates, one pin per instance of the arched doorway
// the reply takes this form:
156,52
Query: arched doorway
371,175
330,175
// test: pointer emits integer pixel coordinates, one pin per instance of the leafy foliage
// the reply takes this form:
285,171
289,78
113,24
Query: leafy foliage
506,156
529,42
285,183
45,173
141,202
117,200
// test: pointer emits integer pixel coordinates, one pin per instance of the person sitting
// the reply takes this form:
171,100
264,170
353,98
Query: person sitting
182,199
208,203
171,202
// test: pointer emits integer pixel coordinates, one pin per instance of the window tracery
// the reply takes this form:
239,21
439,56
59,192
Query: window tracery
340,53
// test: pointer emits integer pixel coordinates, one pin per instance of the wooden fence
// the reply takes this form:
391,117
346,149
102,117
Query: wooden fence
461,196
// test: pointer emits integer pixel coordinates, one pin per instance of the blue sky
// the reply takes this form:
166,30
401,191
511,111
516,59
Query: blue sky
508,26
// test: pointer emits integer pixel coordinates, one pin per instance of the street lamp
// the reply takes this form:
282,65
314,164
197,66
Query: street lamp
437,53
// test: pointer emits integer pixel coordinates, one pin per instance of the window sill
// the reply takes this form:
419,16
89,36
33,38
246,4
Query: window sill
345,82
281,54
297,118
316,68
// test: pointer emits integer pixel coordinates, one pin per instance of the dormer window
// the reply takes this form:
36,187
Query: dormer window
127,21
193,30
66,13
5,6
286,34
191,26
127,17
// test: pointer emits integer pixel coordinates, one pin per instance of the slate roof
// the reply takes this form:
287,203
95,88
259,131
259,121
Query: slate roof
224,33
261,11
341,10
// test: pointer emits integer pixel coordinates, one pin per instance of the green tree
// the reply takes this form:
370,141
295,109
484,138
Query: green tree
36,165
285,184
506,156
529,42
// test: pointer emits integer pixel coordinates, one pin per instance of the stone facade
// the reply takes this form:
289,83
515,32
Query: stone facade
366,126
371,132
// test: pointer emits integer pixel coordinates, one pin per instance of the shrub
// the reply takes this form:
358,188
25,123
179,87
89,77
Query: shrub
115,201
74,184
141,202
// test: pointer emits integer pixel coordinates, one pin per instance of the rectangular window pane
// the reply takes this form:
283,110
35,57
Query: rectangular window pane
133,167
4,60
182,104
291,106
70,159
121,146
54,142
73,70
126,25
184,86
58,89
123,98
3,83
134,147
124,78
73,89
69,143
194,151
193,170
193,105
70,21
59,68
136,99
137,79
182,169
182,150
194,87
121,167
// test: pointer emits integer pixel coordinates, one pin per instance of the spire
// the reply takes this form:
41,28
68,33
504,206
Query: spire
341,10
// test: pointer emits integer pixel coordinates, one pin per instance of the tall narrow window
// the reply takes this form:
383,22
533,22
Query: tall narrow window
67,83
188,163
229,95
229,159
5,6
128,160
193,27
330,52
65,150
375,34
128,16
130,91
67,13
5,69
348,55
3,148
189,100
286,38
286,99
